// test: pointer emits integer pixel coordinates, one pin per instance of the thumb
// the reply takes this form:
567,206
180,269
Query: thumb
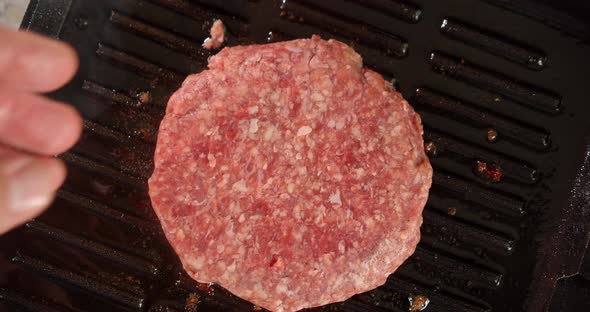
27,186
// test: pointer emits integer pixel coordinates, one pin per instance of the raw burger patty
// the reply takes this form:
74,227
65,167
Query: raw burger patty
290,175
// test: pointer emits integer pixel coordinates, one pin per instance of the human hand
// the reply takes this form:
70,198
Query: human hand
32,128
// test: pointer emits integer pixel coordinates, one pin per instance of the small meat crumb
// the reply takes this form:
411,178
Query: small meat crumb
217,36
144,97
418,303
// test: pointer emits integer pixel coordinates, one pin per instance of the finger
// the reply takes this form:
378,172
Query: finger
27,186
31,62
36,124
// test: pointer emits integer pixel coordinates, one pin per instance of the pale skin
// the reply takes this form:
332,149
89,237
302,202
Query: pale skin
33,128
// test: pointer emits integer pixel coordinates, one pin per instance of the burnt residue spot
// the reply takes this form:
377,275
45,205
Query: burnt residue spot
143,97
418,303
207,288
154,82
430,149
492,135
489,171
142,133
192,303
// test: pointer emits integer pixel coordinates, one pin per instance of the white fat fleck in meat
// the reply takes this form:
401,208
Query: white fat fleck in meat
242,218
240,186
321,212
212,131
224,180
295,49
297,211
356,132
282,286
341,247
198,263
302,170
305,130
290,188
253,125
316,96
212,160
299,234
268,134
335,198
253,109
360,172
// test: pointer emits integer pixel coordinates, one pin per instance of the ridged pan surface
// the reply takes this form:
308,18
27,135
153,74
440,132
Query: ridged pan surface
503,98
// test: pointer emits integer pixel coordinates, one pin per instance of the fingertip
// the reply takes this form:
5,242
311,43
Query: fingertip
28,191
33,62
66,59
67,132
56,172
56,65
37,124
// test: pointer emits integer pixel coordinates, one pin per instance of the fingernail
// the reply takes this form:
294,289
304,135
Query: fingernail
33,186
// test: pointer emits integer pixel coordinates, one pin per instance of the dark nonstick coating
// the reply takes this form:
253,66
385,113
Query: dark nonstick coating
502,90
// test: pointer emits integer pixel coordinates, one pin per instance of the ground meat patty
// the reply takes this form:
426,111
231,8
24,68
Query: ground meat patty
290,175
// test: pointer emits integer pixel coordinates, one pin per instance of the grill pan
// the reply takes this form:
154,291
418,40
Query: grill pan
502,90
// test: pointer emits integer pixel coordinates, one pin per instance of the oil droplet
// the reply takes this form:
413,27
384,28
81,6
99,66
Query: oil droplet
452,211
492,135
418,303
430,149
257,308
81,22
272,37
